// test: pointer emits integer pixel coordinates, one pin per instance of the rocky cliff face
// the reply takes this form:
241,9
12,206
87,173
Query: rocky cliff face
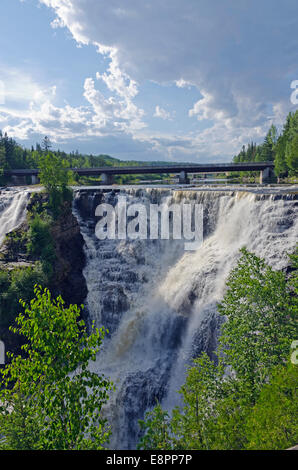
68,280
70,258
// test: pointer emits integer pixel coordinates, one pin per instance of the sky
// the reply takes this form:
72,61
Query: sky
171,80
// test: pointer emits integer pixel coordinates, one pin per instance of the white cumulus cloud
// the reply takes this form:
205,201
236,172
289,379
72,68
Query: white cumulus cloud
162,113
240,55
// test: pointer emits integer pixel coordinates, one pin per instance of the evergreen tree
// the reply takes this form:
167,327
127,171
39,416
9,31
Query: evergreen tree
291,150
267,151
3,162
46,144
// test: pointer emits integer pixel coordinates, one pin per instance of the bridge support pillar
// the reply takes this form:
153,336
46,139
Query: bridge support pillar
107,179
34,179
183,179
267,176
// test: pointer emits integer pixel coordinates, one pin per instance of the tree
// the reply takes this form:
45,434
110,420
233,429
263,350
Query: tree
2,163
40,243
280,164
282,149
200,391
14,284
157,432
267,151
50,399
291,155
272,423
46,144
55,177
53,173
260,312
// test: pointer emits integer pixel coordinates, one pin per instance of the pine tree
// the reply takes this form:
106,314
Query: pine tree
267,152
46,144
3,163
291,151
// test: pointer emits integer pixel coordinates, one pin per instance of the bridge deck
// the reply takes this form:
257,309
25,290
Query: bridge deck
148,169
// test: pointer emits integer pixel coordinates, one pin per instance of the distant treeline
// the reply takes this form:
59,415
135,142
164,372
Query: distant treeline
14,156
282,149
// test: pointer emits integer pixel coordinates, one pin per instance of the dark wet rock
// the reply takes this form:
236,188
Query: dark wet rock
114,304
114,299
148,386
70,258
205,339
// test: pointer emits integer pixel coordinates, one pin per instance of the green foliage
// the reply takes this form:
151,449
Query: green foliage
40,243
272,423
267,149
55,178
53,173
14,244
199,394
283,149
16,284
36,246
247,398
50,399
2,164
260,311
156,428
291,156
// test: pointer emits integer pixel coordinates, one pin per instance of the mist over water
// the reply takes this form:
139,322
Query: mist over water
159,301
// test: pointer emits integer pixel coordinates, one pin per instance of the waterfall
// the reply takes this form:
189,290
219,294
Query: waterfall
159,301
13,205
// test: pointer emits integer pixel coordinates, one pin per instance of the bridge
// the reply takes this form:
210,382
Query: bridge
108,172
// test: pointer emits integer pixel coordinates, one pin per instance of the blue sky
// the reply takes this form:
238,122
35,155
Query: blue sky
149,80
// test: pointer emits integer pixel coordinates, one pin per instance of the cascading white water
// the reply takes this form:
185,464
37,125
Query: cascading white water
159,302
13,204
